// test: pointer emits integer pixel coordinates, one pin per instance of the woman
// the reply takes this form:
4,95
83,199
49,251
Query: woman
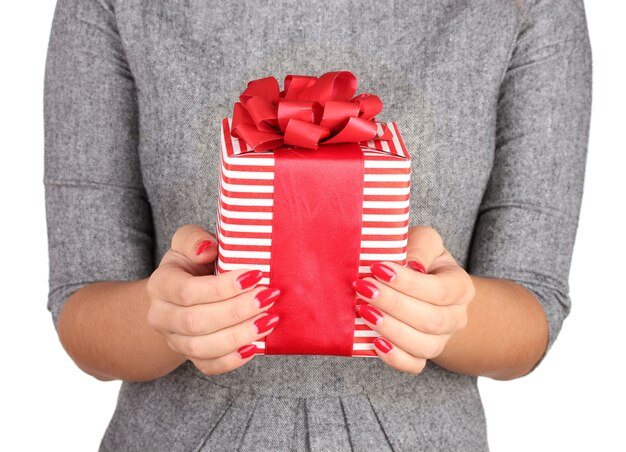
493,102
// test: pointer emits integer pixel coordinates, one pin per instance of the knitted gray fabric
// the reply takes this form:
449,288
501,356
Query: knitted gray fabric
492,98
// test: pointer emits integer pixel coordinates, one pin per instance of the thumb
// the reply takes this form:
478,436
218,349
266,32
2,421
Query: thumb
195,243
423,247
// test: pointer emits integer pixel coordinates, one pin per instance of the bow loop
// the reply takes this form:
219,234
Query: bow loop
295,85
298,109
262,112
309,112
369,105
266,88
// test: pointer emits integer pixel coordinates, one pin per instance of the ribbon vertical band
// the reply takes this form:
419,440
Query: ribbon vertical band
316,242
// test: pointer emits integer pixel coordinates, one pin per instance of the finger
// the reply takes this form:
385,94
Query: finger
426,287
445,284
228,362
224,341
414,342
177,286
195,243
423,247
202,319
418,314
397,358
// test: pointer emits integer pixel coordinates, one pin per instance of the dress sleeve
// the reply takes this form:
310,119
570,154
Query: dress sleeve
99,221
528,218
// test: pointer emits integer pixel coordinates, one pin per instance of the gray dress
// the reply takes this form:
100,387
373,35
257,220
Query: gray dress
492,98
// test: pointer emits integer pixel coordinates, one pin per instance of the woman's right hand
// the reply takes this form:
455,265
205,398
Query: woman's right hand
210,320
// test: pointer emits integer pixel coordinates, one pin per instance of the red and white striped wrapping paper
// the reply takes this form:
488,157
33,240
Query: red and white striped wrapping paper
244,218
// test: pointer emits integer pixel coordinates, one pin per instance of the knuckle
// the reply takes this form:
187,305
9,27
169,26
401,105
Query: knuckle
151,285
441,292
462,317
185,292
445,292
471,289
435,322
393,301
152,317
191,347
235,337
235,312
431,350
220,289
189,322
170,343
226,365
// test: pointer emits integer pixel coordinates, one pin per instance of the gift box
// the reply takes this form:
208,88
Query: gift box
312,192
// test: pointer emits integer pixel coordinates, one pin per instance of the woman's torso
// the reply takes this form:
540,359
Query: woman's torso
437,66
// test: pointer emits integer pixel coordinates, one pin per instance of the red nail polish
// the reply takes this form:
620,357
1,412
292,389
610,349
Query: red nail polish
249,279
265,323
247,351
384,272
203,246
383,344
266,297
414,265
365,288
370,313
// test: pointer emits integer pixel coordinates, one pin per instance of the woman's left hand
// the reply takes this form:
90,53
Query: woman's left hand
416,308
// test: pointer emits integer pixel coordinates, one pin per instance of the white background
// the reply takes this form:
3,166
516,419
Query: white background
574,401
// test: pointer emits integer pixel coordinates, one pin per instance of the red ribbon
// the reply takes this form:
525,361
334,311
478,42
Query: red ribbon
311,111
316,244
317,203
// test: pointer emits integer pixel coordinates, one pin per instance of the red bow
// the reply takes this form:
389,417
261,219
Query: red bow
309,112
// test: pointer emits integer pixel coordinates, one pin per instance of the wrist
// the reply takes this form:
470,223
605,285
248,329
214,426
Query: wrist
104,329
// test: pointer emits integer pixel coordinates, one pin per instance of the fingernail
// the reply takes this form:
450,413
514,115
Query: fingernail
248,279
247,351
414,265
203,246
370,313
365,288
265,323
383,344
383,272
266,297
